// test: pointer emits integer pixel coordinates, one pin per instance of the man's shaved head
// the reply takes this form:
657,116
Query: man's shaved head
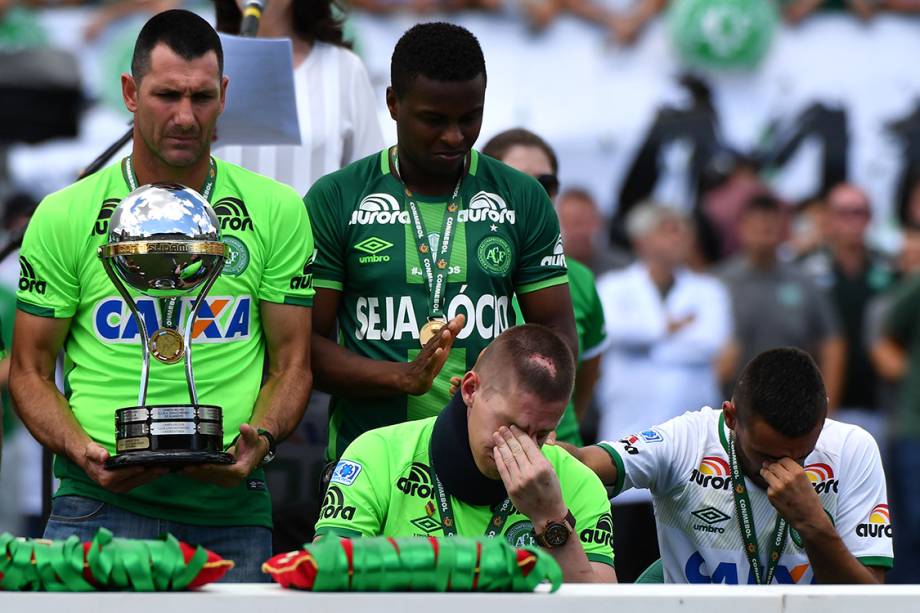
531,357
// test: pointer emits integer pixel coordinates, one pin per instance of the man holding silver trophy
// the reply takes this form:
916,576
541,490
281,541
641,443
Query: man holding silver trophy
167,253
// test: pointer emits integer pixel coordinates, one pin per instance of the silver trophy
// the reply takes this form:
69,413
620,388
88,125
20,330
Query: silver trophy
164,241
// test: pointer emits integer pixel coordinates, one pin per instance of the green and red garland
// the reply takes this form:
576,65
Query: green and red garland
384,564
106,563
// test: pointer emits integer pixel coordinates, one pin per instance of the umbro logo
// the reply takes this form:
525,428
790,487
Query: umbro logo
101,227
378,208
28,280
371,247
233,215
710,516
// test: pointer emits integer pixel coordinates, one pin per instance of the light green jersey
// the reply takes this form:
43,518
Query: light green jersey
271,249
506,240
592,335
382,485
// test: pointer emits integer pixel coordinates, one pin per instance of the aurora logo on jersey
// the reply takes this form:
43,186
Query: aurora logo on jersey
334,505
417,482
393,317
101,227
485,206
712,473
601,533
233,215
821,477
878,524
378,208
28,279
558,257
220,319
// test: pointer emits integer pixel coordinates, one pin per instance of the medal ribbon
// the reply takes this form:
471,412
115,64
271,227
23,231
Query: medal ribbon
127,170
746,524
446,509
434,264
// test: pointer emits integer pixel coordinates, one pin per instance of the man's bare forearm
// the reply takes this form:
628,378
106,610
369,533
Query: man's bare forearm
831,561
282,401
342,372
47,414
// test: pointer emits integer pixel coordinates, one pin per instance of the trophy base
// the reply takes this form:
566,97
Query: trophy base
168,458
168,435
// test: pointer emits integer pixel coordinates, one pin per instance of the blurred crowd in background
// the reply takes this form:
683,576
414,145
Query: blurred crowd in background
691,288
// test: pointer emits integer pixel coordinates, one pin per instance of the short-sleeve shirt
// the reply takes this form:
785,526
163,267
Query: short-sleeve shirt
268,232
506,240
684,462
592,335
382,485
781,307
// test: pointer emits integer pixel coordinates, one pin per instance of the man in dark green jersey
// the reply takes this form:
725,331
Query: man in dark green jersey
480,467
527,152
422,246
260,305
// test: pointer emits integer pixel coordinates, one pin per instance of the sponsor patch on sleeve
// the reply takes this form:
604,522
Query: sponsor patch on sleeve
651,436
346,472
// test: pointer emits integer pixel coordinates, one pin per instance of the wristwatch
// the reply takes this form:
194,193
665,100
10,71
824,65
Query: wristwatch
556,533
271,446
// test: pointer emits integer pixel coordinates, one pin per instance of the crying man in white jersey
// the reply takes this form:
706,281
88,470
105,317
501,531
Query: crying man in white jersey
767,490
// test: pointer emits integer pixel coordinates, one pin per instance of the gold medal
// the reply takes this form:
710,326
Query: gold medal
167,346
430,329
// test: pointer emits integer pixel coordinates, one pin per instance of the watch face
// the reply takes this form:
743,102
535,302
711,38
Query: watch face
556,535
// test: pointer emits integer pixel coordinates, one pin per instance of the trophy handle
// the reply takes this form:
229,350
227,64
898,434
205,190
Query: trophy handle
141,326
187,337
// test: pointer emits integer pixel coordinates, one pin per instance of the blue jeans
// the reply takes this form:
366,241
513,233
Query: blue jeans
905,510
247,546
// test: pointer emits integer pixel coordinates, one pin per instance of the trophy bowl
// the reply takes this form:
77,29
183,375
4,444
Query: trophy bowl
164,217
164,241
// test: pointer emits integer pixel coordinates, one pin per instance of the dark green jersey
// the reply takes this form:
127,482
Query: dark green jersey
506,240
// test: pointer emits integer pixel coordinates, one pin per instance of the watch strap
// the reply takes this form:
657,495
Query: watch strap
271,445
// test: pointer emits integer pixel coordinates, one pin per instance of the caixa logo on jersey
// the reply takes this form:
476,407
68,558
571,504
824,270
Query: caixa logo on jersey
485,206
378,208
220,319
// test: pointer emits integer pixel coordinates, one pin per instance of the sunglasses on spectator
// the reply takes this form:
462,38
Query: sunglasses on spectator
550,183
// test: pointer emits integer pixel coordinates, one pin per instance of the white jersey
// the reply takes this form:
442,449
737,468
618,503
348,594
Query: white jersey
684,462
337,112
